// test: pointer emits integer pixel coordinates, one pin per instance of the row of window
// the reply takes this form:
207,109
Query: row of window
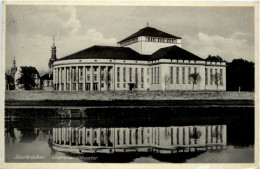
177,75
155,75
164,40
215,78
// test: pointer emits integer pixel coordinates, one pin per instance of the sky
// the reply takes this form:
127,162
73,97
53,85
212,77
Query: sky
224,31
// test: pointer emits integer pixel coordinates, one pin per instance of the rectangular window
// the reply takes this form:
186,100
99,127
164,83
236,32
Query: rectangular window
147,71
142,136
136,75
81,73
124,137
211,77
95,86
142,74
206,76
155,75
158,75
152,75
130,136
88,77
195,70
68,75
118,137
142,85
95,77
118,74
221,77
183,75
102,85
118,85
87,86
124,85
171,75
124,74
177,75
189,76
130,74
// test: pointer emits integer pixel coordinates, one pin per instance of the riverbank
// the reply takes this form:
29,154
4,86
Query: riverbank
41,99
126,95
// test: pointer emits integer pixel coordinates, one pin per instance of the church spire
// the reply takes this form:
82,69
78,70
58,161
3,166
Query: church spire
53,55
14,63
14,68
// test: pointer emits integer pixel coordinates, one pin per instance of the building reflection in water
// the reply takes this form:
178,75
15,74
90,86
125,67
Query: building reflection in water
165,140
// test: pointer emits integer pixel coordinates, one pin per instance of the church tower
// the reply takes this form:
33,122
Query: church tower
53,55
14,68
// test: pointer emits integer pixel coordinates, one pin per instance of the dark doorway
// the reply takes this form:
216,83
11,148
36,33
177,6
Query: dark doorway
131,86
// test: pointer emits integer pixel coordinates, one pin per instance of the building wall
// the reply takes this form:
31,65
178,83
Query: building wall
77,74
143,46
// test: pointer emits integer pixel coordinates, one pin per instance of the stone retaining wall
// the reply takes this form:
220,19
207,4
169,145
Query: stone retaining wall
126,95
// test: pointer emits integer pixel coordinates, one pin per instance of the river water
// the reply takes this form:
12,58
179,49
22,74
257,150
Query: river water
208,137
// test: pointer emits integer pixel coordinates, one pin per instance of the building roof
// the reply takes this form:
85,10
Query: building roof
151,32
107,52
29,69
47,76
174,52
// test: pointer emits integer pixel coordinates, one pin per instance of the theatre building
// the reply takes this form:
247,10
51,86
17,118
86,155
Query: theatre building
147,60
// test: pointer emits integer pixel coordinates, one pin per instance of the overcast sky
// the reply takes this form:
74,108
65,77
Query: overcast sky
224,31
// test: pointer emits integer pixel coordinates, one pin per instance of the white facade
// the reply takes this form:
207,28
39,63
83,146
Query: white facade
86,74
148,45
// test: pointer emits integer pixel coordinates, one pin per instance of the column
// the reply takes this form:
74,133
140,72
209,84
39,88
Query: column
84,78
99,77
113,78
59,135
70,78
91,78
53,77
77,78
65,79
60,78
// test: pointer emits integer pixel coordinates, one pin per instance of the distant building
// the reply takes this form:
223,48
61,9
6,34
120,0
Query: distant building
149,59
31,73
53,56
13,69
47,79
47,82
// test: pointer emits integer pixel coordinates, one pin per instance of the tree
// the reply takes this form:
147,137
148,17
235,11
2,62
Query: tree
217,79
240,74
27,78
166,81
195,79
107,78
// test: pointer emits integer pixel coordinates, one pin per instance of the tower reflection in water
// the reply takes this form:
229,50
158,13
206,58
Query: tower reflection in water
164,140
